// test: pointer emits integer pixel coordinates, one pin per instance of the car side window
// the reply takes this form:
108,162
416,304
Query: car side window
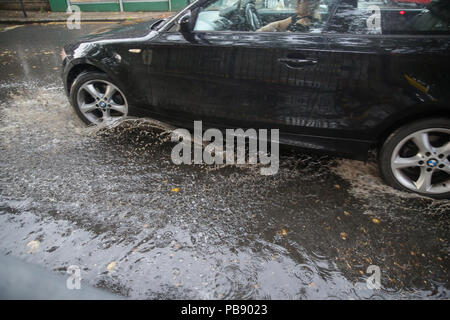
306,16
413,17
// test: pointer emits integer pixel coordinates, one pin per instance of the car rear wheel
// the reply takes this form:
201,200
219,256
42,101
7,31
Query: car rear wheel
97,99
416,158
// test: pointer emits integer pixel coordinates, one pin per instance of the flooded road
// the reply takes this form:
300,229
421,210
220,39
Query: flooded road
111,202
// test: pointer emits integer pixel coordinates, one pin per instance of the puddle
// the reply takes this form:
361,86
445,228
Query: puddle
94,196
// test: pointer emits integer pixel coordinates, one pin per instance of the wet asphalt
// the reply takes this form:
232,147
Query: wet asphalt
111,202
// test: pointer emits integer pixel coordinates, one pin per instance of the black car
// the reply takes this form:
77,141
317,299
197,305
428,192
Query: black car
340,76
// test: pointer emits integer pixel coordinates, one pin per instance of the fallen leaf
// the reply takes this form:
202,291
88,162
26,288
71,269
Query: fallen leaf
346,213
336,186
375,220
33,246
400,266
343,236
175,189
110,267
283,232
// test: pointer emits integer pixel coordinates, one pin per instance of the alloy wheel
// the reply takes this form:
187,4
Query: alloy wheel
101,102
421,161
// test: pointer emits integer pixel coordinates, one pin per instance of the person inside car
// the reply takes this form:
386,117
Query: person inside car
307,14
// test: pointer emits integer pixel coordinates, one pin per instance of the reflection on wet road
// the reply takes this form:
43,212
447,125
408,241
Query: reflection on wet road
112,202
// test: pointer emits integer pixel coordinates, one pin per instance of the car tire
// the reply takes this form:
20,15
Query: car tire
96,98
416,158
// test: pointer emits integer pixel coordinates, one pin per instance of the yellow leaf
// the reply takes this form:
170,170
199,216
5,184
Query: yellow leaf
283,232
336,186
33,246
343,236
375,220
111,266
175,189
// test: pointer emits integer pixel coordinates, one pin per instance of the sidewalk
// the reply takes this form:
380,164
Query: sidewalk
9,16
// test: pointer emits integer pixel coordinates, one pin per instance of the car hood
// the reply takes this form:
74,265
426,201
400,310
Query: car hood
127,31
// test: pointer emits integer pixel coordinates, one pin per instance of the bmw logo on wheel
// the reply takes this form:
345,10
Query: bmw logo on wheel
432,163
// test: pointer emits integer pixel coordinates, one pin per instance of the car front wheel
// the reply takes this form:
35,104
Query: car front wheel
416,158
96,99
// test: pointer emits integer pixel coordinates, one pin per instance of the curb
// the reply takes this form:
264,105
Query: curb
62,17
34,20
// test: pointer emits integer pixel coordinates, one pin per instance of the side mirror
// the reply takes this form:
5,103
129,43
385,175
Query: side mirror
185,23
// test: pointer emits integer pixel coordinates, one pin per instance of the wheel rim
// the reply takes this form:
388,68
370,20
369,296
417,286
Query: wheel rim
421,161
101,102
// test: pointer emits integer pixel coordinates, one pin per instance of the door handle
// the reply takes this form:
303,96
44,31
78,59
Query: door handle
297,63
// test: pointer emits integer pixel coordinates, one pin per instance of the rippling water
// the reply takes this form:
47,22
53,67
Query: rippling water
93,196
